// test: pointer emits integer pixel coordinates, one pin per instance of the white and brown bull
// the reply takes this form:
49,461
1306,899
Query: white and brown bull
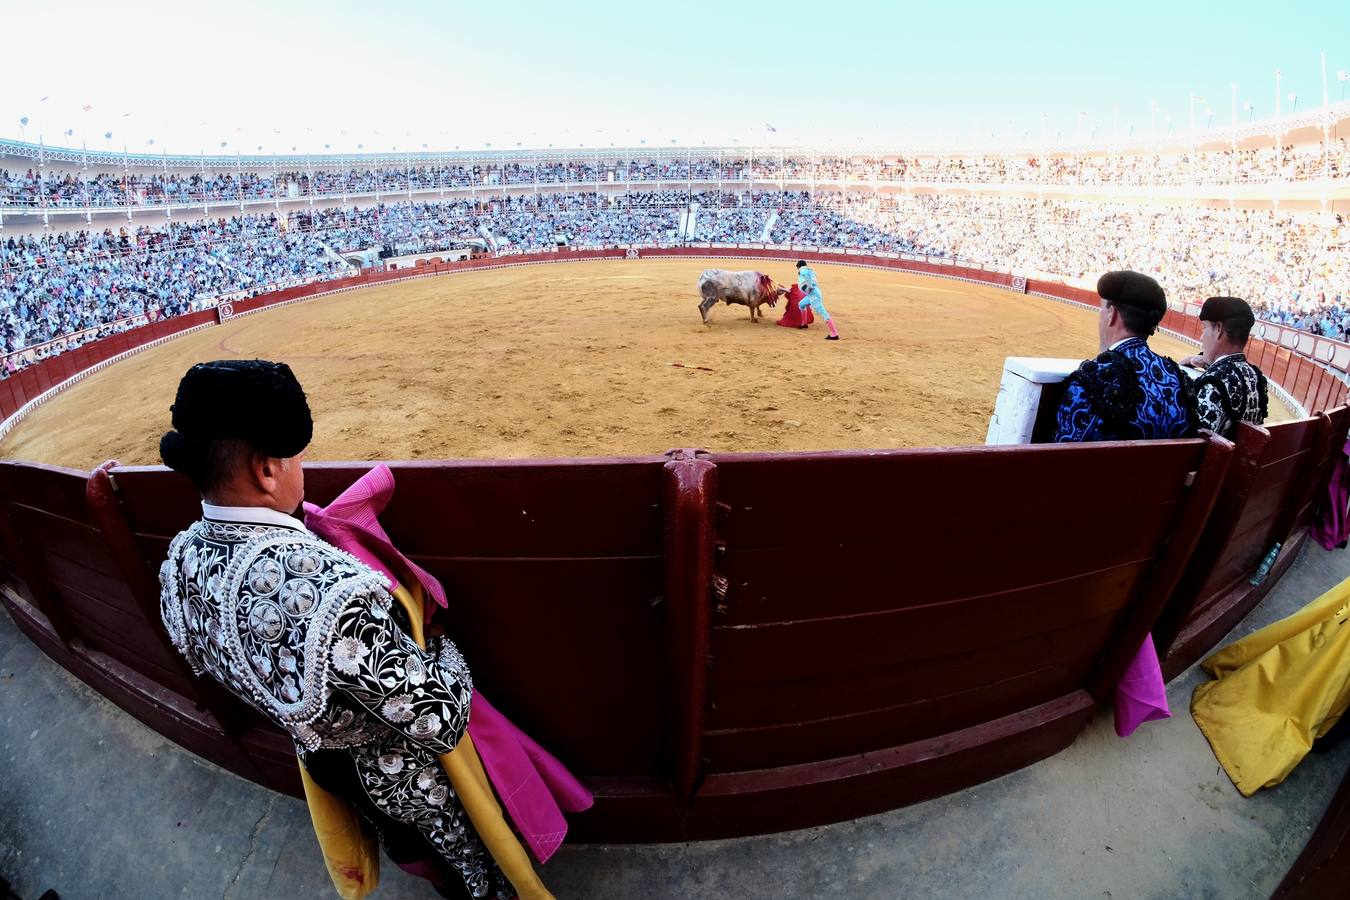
746,288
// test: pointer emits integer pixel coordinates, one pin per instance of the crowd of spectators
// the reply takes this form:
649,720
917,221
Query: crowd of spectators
75,281
1293,267
63,189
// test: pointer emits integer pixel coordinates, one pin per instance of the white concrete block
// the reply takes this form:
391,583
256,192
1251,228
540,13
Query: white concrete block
1019,396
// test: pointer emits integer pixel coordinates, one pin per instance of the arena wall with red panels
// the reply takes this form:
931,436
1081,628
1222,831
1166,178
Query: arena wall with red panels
1310,369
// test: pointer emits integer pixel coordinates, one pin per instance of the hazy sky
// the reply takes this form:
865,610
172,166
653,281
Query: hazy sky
403,73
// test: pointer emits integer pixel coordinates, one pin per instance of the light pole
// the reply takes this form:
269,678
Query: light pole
1194,100
1232,146
1279,137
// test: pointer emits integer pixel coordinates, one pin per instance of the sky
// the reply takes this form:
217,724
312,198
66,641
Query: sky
398,74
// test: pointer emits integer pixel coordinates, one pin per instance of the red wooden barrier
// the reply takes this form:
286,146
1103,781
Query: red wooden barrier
854,669
1323,868
1267,500
858,660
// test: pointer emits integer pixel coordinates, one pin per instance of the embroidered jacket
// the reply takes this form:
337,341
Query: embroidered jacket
312,638
302,631
1127,393
1231,390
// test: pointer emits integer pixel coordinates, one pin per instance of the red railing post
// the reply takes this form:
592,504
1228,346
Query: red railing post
689,495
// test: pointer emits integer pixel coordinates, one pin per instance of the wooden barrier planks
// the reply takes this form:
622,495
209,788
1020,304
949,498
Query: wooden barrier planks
854,619
1265,501
559,561
719,644
1323,868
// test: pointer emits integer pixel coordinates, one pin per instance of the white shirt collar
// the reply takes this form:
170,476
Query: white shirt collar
253,515
1117,344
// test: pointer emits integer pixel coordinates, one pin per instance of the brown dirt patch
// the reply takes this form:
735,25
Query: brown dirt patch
576,360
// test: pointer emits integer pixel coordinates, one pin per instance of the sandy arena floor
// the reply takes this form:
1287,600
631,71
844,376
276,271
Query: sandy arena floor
577,359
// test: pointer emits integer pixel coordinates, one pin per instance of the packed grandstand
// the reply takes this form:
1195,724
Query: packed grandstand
67,279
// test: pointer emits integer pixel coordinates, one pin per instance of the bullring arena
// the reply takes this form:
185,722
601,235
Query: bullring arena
596,359
744,583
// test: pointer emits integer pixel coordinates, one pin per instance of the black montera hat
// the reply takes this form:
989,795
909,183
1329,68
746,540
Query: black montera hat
252,400
1225,309
800,263
1133,289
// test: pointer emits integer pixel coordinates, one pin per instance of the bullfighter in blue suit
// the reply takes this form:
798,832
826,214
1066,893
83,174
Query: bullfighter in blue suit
806,280
1128,392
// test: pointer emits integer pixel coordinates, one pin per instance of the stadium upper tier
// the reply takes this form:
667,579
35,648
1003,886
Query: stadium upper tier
35,179
1294,267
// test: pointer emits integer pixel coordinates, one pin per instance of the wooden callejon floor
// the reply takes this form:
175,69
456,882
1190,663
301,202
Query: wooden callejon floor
98,806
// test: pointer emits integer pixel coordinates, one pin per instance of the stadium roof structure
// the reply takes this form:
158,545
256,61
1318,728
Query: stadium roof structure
1303,127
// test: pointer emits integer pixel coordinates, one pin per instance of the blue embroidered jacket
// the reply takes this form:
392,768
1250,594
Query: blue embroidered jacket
1126,394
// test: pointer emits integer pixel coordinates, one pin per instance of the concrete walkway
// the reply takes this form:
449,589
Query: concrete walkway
98,806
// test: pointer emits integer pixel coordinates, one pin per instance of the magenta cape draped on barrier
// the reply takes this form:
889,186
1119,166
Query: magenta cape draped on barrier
1332,527
533,786
1141,694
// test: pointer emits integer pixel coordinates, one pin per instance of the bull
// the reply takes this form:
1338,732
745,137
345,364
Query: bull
745,288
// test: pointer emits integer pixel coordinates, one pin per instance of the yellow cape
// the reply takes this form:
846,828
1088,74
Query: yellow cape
1277,691
352,855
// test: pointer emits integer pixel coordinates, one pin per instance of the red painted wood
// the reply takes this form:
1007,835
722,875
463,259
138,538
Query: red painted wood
1281,365
1330,391
900,675
27,382
690,492
1206,627
592,630
1303,372
796,742
1315,386
830,646
1143,613
8,404
1322,870
46,487
1310,493
43,374
1269,352
1189,600
831,790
